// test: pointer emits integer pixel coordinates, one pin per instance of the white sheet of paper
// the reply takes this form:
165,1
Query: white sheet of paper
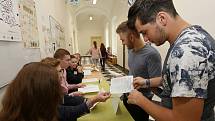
88,68
115,104
89,88
90,80
121,85
115,98
87,72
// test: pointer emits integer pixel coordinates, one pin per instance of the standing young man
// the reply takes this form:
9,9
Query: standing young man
188,71
144,63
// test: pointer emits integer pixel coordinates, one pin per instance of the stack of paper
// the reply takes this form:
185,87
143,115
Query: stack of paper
90,80
87,72
89,88
121,85
88,68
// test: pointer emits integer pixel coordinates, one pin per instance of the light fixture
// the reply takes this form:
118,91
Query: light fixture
91,18
94,2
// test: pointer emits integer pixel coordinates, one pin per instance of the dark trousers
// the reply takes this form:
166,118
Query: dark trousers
73,100
137,113
102,62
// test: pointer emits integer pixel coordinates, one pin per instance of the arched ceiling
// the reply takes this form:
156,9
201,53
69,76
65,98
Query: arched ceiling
100,12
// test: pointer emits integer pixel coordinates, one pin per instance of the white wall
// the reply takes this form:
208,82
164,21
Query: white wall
57,9
85,31
198,12
120,13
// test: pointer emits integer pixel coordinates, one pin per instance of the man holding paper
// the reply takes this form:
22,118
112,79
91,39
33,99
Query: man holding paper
144,63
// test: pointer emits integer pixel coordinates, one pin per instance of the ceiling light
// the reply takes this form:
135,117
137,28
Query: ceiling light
91,18
94,2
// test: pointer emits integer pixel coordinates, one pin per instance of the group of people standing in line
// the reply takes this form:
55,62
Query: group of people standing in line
44,91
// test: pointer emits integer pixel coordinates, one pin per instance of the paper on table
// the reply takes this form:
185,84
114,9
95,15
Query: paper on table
90,80
89,88
87,72
88,68
121,85
115,102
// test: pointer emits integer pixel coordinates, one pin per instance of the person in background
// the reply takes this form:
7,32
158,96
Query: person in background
74,72
78,56
144,63
33,95
95,53
63,56
69,98
189,68
104,56
109,52
74,106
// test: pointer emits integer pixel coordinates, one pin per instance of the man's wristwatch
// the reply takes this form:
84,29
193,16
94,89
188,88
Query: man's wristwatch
147,83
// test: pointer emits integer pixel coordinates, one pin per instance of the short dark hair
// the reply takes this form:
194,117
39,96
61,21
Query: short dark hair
146,11
60,53
123,28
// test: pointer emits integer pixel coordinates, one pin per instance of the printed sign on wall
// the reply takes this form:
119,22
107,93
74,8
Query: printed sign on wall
28,22
9,21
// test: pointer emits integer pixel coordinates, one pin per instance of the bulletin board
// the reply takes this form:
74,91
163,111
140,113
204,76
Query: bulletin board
9,21
28,24
57,34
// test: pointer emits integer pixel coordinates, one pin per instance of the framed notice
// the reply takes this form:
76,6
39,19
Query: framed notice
9,21
57,34
28,23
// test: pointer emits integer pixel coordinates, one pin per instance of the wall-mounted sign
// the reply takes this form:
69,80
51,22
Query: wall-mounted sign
9,21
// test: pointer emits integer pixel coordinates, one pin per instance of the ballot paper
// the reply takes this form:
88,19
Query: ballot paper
115,102
87,72
88,68
121,85
90,80
89,88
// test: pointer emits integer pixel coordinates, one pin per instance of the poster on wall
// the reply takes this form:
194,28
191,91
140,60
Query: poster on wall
57,34
49,47
28,24
9,21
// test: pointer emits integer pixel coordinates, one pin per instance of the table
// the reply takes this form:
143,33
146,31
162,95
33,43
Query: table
112,59
104,111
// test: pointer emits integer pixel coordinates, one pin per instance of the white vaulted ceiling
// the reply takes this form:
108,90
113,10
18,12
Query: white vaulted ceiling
101,11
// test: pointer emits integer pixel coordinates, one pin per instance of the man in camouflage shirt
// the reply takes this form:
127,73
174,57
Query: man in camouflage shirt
189,68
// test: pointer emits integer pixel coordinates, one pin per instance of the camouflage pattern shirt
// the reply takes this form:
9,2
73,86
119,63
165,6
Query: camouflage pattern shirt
189,69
